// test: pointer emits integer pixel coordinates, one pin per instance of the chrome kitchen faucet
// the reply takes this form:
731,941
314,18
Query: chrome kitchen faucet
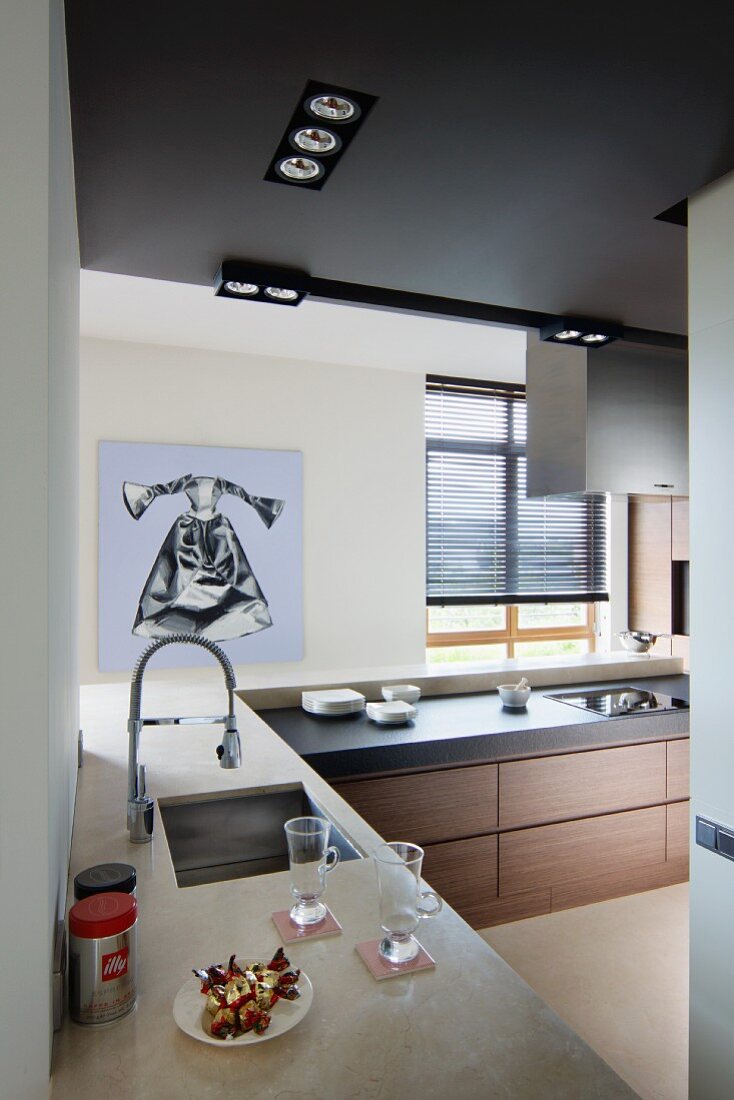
139,806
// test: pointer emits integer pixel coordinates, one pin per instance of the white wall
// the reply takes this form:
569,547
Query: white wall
362,437
711,324
38,325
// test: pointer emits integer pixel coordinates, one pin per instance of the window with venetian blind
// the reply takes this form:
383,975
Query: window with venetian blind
487,542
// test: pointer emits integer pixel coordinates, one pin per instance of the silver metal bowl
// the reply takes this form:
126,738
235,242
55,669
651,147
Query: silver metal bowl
639,641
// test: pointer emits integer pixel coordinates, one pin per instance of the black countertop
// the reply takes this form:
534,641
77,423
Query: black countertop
472,729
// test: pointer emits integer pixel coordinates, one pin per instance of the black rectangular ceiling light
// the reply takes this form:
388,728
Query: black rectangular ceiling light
580,332
282,286
320,129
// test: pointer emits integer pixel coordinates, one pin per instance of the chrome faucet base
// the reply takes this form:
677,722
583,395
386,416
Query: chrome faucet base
140,820
139,807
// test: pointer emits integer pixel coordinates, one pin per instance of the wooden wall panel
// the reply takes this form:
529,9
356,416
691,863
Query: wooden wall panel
427,807
553,854
680,538
678,783
464,873
650,566
580,784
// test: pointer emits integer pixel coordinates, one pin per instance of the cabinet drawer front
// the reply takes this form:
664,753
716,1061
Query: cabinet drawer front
429,806
553,854
678,832
581,784
678,768
464,873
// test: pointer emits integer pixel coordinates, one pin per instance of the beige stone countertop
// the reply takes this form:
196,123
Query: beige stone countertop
266,692
471,1028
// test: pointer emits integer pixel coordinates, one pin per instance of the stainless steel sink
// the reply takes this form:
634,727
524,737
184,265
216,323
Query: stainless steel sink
238,836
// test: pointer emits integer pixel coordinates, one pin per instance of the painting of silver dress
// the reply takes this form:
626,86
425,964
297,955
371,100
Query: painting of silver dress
201,581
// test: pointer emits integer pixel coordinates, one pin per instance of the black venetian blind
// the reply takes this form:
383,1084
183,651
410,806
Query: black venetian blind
487,542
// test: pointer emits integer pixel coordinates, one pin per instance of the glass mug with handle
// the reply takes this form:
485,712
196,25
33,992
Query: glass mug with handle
310,858
402,904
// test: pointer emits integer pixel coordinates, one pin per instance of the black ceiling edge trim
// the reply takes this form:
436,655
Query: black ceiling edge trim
332,290
652,338
676,214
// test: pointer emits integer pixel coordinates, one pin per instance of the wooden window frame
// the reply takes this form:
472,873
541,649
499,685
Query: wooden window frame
512,633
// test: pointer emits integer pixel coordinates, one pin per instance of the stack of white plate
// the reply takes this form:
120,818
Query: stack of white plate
391,714
334,701
409,693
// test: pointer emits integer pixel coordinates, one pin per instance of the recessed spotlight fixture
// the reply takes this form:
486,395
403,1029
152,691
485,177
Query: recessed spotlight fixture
261,283
299,168
337,108
281,293
594,338
245,289
344,111
315,140
582,333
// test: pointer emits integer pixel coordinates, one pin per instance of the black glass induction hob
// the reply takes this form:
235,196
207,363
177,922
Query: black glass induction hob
621,702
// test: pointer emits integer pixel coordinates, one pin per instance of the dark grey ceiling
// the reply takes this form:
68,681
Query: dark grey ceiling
513,158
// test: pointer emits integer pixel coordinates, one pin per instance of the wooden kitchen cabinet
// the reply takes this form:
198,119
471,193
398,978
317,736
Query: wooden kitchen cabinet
658,556
581,784
650,567
680,530
527,837
429,806
678,833
464,873
554,854
678,769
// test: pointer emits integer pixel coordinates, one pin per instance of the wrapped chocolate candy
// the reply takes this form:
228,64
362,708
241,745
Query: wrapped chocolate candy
241,1000
225,1024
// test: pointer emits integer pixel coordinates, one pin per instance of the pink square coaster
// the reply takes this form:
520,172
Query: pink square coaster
379,969
291,933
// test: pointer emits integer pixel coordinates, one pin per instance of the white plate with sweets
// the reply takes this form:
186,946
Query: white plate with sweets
195,1011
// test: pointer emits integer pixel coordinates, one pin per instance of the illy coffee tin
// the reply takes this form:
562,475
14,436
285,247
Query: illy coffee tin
102,958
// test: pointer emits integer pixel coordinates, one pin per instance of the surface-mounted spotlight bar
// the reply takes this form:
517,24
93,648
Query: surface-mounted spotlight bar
580,331
283,286
321,127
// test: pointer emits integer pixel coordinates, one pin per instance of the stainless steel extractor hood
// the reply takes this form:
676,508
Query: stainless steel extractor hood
611,419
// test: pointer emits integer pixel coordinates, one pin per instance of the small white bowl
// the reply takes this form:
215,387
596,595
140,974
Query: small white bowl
512,698
404,693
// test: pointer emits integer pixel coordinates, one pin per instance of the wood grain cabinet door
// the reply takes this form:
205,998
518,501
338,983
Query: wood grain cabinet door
678,833
650,567
464,873
678,768
581,784
554,854
429,806
681,545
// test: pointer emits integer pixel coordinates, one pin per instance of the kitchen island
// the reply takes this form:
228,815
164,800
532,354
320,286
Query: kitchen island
520,812
471,1027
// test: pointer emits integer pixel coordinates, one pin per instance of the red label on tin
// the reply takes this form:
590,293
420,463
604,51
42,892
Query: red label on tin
114,965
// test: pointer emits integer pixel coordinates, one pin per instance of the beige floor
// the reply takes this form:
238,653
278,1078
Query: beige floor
617,972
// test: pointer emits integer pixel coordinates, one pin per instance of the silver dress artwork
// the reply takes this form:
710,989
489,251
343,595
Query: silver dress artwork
201,582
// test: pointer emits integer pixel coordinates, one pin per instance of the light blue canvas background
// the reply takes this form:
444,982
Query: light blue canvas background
128,548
